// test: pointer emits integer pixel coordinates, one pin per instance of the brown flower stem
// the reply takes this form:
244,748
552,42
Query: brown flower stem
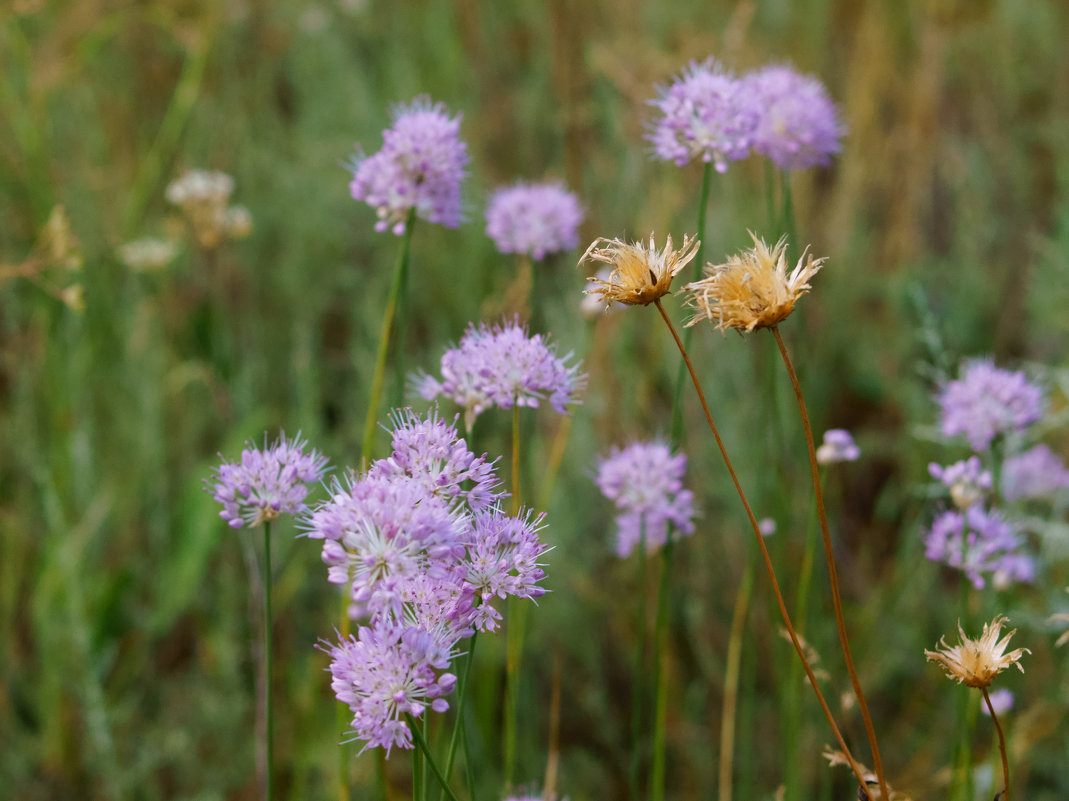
764,551
832,572
1001,746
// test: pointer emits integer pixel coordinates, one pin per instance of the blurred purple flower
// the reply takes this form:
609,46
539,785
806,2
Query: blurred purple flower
705,114
421,165
533,219
967,481
838,446
386,672
645,481
266,482
799,126
429,450
978,541
1001,700
1036,473
986,402
502,365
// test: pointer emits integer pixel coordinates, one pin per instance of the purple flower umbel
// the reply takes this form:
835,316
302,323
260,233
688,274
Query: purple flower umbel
706,114
986,402
979,541
645,481
1036,473
503,365
267,482
387,671
838,446
799,126
421,165
533,219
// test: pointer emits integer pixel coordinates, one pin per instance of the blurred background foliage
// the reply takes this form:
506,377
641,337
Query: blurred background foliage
128,626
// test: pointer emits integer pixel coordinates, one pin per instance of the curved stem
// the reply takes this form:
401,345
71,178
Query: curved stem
764,552
1001,746
392,300
832,572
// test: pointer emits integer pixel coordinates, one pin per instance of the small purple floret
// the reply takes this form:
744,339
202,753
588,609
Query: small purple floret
987,402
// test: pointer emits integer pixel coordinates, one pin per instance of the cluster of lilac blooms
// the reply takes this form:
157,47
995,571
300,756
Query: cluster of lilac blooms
424,550
710,115
266,482
420,165
838,446
645,481
986,402
988,405
503,365
534,219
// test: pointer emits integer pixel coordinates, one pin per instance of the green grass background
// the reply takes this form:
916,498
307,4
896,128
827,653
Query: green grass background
128,641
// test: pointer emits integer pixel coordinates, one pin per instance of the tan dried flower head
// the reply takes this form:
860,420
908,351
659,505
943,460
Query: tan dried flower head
975,663
640,274
752,289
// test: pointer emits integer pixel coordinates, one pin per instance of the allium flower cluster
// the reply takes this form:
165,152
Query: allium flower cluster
838,446
645,481
425,550
710,115
1033,474
979,542
798,125
534,219
420,165
503,365
266,482
986,402
706,114
967,481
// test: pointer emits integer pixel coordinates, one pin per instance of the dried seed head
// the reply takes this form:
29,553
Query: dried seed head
975,663
751,289
640,274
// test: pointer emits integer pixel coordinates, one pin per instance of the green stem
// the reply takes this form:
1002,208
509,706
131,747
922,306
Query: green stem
660,686
268,702
787,223
514,630
1001,746
638,685
833,575
459,706
731,680
688,335
421,741
400,278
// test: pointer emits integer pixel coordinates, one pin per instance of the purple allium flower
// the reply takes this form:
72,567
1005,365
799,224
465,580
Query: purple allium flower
645,481
383,532
799,126
533,219
266,482
1036,473
705,114
986,402
502,365
967,481
429,450
838,446
386,672
421,165
767,526
503,561
979,541
1001,700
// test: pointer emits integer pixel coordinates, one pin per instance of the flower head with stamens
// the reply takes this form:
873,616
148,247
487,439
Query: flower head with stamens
752,289
640,274
975,663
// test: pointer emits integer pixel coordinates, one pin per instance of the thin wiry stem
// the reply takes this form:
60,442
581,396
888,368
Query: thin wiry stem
421,741
1001,746
764,551
833,574
268,698
731,681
